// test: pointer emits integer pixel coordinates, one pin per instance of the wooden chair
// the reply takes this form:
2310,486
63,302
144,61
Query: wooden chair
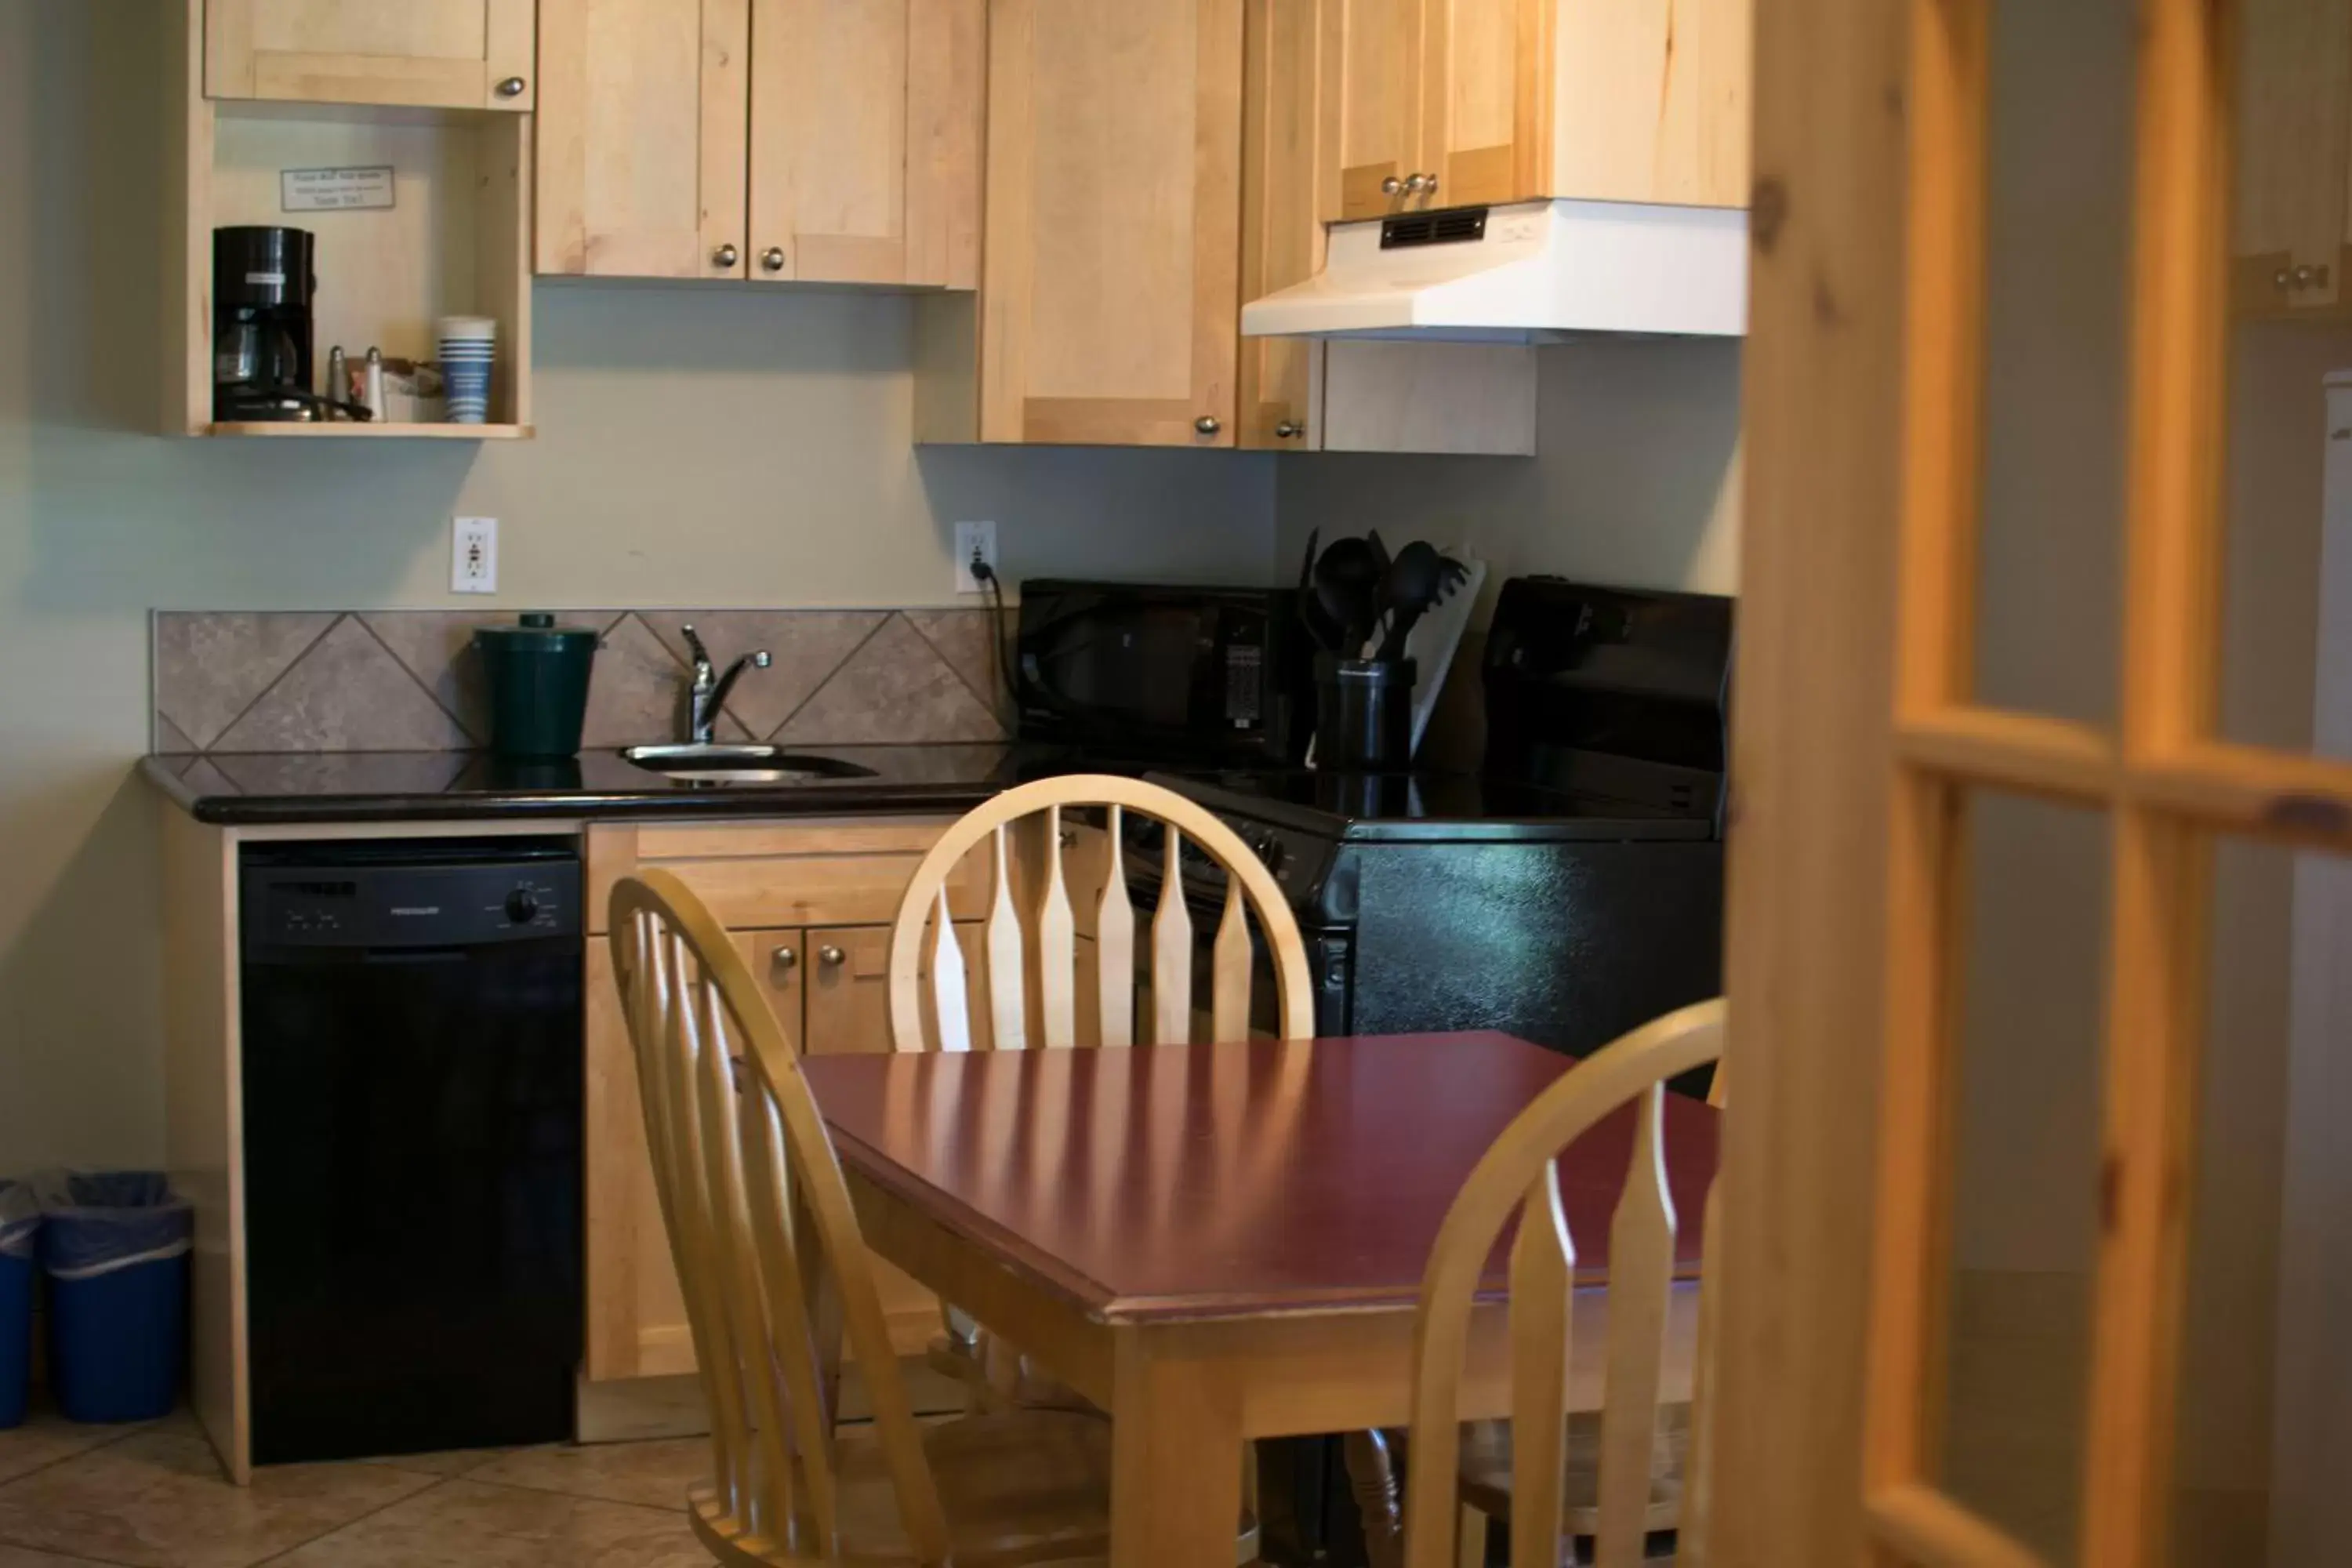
1537,1463
1046,945
1043,951
775,1271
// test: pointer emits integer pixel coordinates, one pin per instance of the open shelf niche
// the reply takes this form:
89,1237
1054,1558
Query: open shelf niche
456,241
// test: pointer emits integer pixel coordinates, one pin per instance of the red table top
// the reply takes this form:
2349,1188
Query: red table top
1229,1180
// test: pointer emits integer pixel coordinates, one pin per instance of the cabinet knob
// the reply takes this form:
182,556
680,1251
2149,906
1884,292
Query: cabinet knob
1290,429
2304,275
773,258
2281,278
1208,425
1414,184
512,86
725,255
830,957
1391,185
785,958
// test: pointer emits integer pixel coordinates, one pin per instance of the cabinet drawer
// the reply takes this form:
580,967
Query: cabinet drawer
839,872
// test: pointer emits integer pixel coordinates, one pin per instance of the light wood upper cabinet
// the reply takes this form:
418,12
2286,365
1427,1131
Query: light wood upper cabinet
1479,102
1649,102
782,140
1482,99
1282,229
1112,308
1302,396
642,133
2291,233
1372,88
866,141
432,54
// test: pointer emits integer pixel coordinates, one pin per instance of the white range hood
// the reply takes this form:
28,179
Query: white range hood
1532,270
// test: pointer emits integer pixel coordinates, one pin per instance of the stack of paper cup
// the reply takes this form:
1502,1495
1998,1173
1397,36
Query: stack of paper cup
468,347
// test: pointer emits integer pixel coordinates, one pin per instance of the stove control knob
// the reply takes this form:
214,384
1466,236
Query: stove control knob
521,906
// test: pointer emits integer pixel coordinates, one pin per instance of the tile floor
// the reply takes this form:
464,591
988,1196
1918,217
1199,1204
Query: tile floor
151,1496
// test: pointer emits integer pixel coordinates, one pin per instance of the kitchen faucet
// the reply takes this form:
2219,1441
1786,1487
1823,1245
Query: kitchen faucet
709,693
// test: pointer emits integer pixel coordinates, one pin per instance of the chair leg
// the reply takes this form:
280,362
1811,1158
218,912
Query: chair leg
1470,1540
1372,1477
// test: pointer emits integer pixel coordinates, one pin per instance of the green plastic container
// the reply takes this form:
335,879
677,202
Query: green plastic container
539,685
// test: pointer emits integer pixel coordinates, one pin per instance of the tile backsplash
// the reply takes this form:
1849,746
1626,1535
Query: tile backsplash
409,680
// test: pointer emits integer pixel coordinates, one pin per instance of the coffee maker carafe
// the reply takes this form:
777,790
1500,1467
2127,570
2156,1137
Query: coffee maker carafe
262,288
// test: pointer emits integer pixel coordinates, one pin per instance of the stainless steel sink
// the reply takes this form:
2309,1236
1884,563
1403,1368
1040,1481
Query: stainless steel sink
717,764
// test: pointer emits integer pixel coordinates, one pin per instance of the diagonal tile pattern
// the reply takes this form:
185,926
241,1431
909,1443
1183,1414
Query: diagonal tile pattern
210,668
410,680
808,645
650,1475
464,1521
157,1500
638,690
894,690
45,1437
967,639
347,694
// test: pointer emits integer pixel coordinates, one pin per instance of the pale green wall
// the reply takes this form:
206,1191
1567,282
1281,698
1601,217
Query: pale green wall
699,446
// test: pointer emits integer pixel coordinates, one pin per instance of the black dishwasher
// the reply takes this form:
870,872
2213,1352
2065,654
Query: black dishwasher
412,1129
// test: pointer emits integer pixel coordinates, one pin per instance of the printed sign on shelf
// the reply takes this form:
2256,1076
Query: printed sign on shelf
335,190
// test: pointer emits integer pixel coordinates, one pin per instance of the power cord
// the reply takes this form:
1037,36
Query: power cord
984,573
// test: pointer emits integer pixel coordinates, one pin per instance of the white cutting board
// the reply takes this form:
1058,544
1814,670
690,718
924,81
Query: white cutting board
1435,639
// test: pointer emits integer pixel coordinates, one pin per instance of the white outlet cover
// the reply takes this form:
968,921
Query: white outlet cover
474,555
971,537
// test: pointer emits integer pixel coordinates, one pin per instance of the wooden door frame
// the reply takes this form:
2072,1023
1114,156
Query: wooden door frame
1808,845
1859,741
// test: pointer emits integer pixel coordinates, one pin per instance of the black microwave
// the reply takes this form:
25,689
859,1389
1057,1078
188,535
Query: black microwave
1166,674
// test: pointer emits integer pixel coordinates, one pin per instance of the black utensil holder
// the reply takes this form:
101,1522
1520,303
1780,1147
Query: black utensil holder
1363,712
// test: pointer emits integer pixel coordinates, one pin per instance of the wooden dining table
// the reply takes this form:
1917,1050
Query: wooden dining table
1218,1243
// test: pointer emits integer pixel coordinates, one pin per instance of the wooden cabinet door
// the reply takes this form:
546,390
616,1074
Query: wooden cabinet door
1482,99
778,960
1113,244
1631,100
637,1323
848,985
642,133
866,141
434,54
2292,144
1371,107
847,1011
1282,227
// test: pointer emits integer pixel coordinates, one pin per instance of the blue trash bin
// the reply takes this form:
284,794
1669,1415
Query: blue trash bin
20,1223
115,1248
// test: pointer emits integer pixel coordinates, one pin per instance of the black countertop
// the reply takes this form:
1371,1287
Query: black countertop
443,787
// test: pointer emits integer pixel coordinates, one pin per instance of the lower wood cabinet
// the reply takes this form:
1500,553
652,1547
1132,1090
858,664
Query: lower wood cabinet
825,976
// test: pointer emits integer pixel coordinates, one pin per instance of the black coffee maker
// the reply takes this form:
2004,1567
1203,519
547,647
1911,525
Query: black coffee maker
262,287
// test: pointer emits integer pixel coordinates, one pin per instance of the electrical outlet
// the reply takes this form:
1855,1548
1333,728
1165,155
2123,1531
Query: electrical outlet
474,555
973,541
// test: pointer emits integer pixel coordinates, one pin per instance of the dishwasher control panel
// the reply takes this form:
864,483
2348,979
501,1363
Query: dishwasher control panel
432,900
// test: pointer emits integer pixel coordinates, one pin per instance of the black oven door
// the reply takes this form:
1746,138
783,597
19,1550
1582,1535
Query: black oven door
1330,950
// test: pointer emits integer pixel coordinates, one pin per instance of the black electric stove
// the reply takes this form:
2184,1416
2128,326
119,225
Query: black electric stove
1568,891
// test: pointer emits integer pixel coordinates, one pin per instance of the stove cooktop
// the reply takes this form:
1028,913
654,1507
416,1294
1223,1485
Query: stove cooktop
1427,807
